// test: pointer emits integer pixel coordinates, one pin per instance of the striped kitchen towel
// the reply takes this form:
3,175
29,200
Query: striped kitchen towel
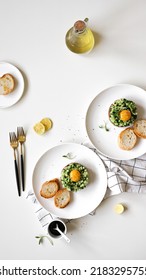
42,214
125,175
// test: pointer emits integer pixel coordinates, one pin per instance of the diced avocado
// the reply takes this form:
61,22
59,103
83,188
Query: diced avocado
120,105
71,185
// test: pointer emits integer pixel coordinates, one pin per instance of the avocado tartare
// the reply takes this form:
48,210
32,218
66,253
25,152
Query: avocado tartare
74,177
123,112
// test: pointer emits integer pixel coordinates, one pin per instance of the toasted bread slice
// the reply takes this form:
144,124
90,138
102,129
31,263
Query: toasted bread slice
140,128
62,198
6,84
49,188
127,139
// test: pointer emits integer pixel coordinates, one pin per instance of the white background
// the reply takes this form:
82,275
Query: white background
60,84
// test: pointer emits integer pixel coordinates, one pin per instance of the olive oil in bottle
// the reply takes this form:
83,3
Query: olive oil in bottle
79,38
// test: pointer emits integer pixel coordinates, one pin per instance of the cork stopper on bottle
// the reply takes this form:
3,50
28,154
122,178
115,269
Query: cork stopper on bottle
79,26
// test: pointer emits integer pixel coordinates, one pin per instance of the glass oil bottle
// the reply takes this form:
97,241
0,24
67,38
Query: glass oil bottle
79,38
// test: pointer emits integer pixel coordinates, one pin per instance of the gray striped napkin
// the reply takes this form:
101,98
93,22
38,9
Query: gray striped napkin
125,175
122,176
42,214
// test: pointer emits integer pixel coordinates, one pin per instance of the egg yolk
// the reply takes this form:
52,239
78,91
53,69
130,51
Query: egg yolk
125,115
75,175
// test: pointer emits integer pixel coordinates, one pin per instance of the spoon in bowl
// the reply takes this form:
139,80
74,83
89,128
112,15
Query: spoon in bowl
62,234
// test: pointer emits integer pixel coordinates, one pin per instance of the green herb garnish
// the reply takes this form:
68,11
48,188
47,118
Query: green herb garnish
41,239
69,156
104,126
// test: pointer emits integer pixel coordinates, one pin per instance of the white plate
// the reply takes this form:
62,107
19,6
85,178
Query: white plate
15,95
106,141
49,166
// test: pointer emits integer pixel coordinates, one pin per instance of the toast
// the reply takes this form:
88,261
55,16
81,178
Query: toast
49,188
62,198
139,128
127,139
6,84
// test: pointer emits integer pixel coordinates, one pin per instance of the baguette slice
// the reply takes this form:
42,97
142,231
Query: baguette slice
6,84
62,198
127,139
49,188
140,128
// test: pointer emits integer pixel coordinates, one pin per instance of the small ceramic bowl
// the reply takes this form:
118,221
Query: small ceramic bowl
53,232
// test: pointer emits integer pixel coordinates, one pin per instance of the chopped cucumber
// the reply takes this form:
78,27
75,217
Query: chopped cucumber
120,105
68,183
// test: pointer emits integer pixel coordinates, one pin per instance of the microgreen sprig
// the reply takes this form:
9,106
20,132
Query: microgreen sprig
104,126
69,156
41,239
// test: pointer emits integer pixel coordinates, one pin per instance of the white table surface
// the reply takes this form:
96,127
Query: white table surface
60,84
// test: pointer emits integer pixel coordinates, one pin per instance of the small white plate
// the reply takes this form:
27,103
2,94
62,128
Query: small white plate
49,166
106,141
10,99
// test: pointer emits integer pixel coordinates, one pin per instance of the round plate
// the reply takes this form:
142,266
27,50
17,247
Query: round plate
97,115
15,95
83,202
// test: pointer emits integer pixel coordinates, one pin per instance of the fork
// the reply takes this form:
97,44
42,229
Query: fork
14,145
21,139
